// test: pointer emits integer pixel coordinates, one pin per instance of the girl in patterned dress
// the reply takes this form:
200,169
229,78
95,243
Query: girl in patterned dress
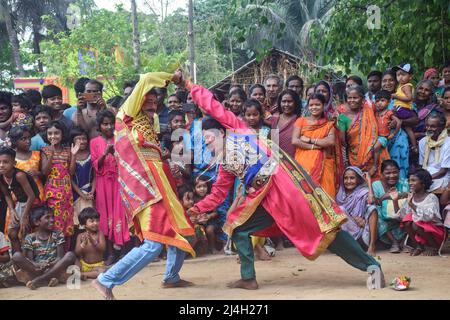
58,165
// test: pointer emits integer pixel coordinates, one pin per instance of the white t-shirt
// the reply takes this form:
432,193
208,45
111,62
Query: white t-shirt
434,166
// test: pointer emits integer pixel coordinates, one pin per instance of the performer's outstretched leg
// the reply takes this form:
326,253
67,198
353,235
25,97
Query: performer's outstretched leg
351,252
127,267
241,238
175,259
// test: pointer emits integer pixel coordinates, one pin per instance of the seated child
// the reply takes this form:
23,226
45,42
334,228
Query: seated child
43,261
6,264
199,242
91,245
17,184
21,108
403,99
212,221
384,117
421,216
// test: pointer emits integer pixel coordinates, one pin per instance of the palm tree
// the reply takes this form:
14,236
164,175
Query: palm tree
6,14
30,12
297,16
136,43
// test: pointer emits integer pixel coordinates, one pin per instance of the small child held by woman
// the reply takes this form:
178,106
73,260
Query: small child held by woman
403,101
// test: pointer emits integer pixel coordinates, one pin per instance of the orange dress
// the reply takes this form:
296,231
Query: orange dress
324,166
33,164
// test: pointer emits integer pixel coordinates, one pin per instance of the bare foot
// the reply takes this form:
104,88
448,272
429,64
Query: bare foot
371,251
244,284
110,260
279,246
105,292
179,284
262,254
32,285
53,282
417,251
430,251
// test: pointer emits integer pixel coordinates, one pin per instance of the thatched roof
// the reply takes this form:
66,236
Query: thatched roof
277,61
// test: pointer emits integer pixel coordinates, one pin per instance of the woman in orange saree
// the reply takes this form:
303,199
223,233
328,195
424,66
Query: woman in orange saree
147,189
359,130
318,149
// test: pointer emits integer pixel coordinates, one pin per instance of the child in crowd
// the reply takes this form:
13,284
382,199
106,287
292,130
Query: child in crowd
42,117
200,242
445,103
445,82
384,118
26,160
173,146
212,221
21,107
6,264
18,184
83,181
403,100
192,113
91,245
253,116
421,216
43,262
52,96
58,165
108,201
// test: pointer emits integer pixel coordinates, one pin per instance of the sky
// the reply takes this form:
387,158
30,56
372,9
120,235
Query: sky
141,4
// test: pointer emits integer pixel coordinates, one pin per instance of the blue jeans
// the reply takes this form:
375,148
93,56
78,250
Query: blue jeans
140,257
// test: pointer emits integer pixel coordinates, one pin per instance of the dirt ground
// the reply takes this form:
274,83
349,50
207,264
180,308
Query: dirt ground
287,276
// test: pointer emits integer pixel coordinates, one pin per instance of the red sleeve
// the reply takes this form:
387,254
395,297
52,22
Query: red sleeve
219,192
205,100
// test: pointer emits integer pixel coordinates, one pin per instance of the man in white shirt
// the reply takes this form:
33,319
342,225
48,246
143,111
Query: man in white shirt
434,151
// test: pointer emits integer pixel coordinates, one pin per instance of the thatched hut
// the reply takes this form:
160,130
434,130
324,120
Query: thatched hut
277,61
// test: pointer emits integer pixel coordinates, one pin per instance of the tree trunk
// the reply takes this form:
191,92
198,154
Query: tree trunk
12,34
36,46
191,42
136,43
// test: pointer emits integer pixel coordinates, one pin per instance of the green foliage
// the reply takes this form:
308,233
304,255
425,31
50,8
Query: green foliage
410,31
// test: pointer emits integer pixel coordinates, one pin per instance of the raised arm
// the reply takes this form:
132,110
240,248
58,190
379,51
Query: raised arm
205,100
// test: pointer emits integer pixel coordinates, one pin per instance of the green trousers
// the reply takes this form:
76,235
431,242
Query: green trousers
344,245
